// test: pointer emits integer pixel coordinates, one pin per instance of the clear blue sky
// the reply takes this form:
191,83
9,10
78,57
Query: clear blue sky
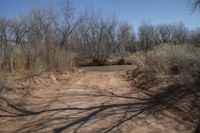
134,11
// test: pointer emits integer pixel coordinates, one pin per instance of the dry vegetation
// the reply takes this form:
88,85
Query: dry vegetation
180,61
171,74
167,56
56,38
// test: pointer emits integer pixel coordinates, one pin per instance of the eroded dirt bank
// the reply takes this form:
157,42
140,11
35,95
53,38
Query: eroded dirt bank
98,101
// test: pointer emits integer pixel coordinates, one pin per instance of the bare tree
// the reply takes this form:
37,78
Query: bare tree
69,22
4,26
195,4
165,31
148,36
19,30
44,20
126,38
179,33
97,36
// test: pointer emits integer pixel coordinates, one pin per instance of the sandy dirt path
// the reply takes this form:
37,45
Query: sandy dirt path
99,101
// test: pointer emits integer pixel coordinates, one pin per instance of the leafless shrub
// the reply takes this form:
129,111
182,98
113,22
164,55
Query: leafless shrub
181,61
28,58
138,59
173,59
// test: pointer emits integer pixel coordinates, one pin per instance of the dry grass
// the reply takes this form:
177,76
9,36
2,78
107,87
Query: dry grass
34,59
138,59
182,60
22,62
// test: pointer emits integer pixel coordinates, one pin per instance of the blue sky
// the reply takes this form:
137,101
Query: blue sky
133,11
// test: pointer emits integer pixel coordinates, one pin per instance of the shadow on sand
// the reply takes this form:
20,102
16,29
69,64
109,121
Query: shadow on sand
75,119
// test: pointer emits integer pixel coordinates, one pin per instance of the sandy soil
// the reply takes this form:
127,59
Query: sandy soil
99,101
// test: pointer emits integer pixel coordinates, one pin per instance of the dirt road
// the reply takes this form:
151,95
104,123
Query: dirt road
99,101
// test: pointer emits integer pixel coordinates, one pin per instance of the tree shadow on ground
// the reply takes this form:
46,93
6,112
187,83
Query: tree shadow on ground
108,115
